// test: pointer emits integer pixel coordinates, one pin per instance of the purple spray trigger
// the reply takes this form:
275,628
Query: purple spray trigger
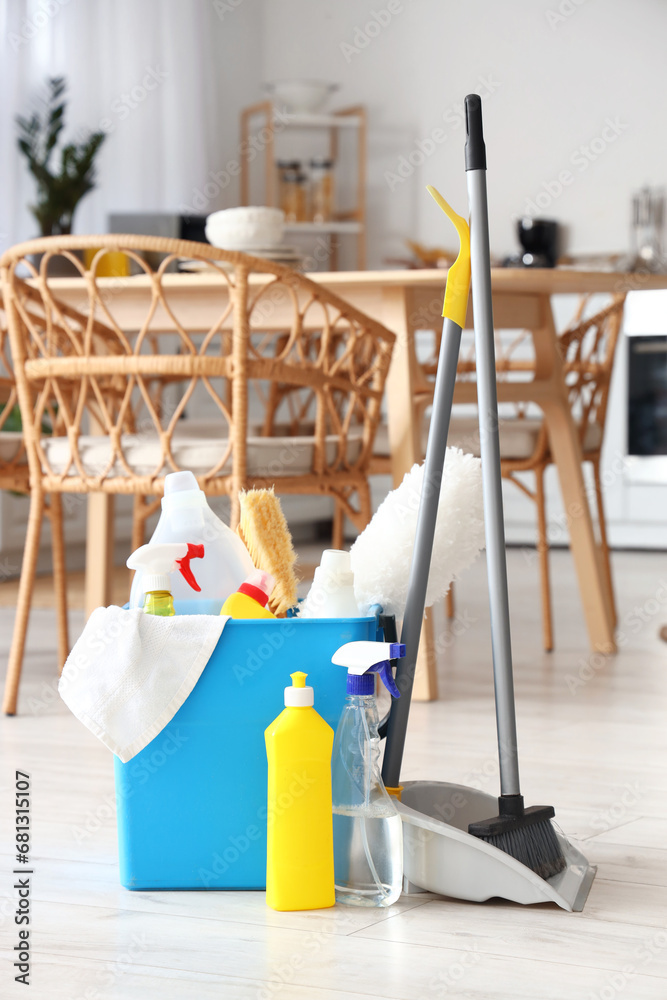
387,678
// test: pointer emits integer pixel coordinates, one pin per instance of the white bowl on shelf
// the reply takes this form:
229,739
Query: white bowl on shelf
246,228
301,96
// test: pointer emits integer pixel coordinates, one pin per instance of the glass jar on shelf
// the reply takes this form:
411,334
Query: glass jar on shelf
292,190
284,167
321,189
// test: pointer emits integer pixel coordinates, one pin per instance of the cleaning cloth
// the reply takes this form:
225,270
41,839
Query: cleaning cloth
129,673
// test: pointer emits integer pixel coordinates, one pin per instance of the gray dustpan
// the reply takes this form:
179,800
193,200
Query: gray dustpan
439,853
441,856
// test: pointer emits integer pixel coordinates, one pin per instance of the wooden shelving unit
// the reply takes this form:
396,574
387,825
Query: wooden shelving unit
262,122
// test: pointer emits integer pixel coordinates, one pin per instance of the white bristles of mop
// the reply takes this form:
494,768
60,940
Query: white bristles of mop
382,554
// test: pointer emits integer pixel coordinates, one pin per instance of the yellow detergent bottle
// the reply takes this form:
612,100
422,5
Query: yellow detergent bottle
251,598
300,860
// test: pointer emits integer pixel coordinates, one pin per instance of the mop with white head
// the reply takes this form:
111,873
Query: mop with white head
382,554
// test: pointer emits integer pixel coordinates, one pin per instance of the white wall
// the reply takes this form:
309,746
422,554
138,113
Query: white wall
555,81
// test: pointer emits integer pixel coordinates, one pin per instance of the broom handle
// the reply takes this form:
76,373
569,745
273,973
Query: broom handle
487,399
421,558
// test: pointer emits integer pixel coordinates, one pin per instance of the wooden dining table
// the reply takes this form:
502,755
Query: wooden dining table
406,301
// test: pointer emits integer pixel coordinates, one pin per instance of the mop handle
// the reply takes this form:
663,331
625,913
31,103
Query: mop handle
490,448
421,559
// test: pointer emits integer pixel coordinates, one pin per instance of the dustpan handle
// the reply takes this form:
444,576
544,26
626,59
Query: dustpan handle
487,400
421,560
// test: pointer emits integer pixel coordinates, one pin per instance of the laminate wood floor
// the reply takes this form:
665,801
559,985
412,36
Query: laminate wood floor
593,742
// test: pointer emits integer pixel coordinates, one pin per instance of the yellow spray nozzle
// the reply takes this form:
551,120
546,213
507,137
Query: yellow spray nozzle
298,679
458,278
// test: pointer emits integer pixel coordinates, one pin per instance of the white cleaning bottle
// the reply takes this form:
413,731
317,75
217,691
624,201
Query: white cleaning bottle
368,835
157,562
226,564
332,592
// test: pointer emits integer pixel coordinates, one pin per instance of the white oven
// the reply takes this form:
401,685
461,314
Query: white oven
634,455
645,345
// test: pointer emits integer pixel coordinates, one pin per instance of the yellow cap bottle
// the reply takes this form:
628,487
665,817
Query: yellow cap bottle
299,861
251,598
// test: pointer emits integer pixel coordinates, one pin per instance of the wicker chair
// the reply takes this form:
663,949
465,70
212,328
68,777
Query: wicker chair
15,477
116,399
588,348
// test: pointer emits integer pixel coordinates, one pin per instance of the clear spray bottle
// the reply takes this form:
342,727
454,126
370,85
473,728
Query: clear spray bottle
368,836
156,562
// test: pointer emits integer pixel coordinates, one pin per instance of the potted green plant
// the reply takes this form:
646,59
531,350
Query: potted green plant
59,190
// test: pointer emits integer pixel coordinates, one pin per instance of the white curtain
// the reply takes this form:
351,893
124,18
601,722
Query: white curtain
164,78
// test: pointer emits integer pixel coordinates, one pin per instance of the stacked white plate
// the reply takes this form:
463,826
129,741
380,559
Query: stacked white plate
293,258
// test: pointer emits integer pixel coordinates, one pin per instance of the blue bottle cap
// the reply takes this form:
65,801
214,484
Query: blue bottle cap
363,684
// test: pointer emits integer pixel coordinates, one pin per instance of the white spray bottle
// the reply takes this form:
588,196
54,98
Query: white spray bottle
368,835
226,563
156,562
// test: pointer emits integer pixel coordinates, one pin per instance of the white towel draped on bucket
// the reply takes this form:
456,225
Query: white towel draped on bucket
129,673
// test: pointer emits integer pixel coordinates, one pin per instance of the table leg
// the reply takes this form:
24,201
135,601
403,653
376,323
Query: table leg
99,551
426,677
566,450
406,449
404,432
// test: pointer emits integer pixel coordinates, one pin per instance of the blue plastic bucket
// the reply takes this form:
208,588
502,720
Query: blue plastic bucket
192,804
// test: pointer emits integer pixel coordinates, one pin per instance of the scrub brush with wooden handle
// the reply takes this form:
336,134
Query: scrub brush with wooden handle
264,531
